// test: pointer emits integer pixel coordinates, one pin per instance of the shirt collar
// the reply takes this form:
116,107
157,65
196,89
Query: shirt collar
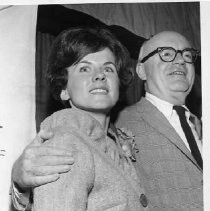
165,107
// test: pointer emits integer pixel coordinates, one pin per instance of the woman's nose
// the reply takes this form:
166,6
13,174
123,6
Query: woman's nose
99,76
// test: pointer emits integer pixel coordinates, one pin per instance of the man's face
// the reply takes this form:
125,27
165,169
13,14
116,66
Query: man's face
170,81
93,83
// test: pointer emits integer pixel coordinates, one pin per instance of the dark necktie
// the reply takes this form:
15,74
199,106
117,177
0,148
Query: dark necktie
189,135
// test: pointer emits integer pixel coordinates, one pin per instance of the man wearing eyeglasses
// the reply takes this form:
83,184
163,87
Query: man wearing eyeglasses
170,167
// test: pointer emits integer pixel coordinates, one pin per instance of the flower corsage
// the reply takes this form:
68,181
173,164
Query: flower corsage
127,143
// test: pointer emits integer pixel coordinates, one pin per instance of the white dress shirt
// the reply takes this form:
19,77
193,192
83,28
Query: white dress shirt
171,115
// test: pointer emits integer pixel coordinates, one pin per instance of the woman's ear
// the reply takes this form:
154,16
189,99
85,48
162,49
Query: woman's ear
140,70
64,95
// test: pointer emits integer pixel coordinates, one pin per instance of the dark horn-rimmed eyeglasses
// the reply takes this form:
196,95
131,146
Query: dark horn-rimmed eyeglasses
168,54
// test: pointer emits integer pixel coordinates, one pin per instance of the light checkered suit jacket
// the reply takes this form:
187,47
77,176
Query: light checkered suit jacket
171,178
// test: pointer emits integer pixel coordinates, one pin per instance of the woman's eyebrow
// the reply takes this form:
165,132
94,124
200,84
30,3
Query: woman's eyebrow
107,63
85,62
88,62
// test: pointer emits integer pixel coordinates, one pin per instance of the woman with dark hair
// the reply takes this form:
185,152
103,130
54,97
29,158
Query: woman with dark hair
85,68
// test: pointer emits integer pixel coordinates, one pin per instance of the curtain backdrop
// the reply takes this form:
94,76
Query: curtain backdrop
45,104
17,85
146,19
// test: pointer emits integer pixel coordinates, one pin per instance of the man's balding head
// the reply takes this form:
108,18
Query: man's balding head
161,39
170,81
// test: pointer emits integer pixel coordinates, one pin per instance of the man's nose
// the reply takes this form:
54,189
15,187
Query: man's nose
99,76
179,58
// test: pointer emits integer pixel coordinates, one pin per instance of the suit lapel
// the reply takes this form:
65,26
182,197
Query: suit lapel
158,121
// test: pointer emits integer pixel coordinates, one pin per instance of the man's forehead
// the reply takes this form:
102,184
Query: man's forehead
167,39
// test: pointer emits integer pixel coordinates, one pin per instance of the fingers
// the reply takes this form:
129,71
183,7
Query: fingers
46,179
50,170
40,164
38,161
41,180
51,151
45,135
37,152
54,160
41,137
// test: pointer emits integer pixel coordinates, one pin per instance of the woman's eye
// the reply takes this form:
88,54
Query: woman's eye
110,69
84,69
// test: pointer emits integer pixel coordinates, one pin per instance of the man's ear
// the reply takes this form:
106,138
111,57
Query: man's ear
140,70
64,95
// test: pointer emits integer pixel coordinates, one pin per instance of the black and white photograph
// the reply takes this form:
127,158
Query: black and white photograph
104,105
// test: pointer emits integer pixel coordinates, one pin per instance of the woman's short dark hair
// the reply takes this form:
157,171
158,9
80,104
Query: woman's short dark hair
75,43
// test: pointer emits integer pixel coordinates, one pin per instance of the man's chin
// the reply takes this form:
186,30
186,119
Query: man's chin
181,87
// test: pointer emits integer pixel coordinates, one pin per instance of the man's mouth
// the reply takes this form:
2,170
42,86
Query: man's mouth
178,73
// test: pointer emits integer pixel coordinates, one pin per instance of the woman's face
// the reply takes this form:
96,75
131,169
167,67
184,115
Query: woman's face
93,83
